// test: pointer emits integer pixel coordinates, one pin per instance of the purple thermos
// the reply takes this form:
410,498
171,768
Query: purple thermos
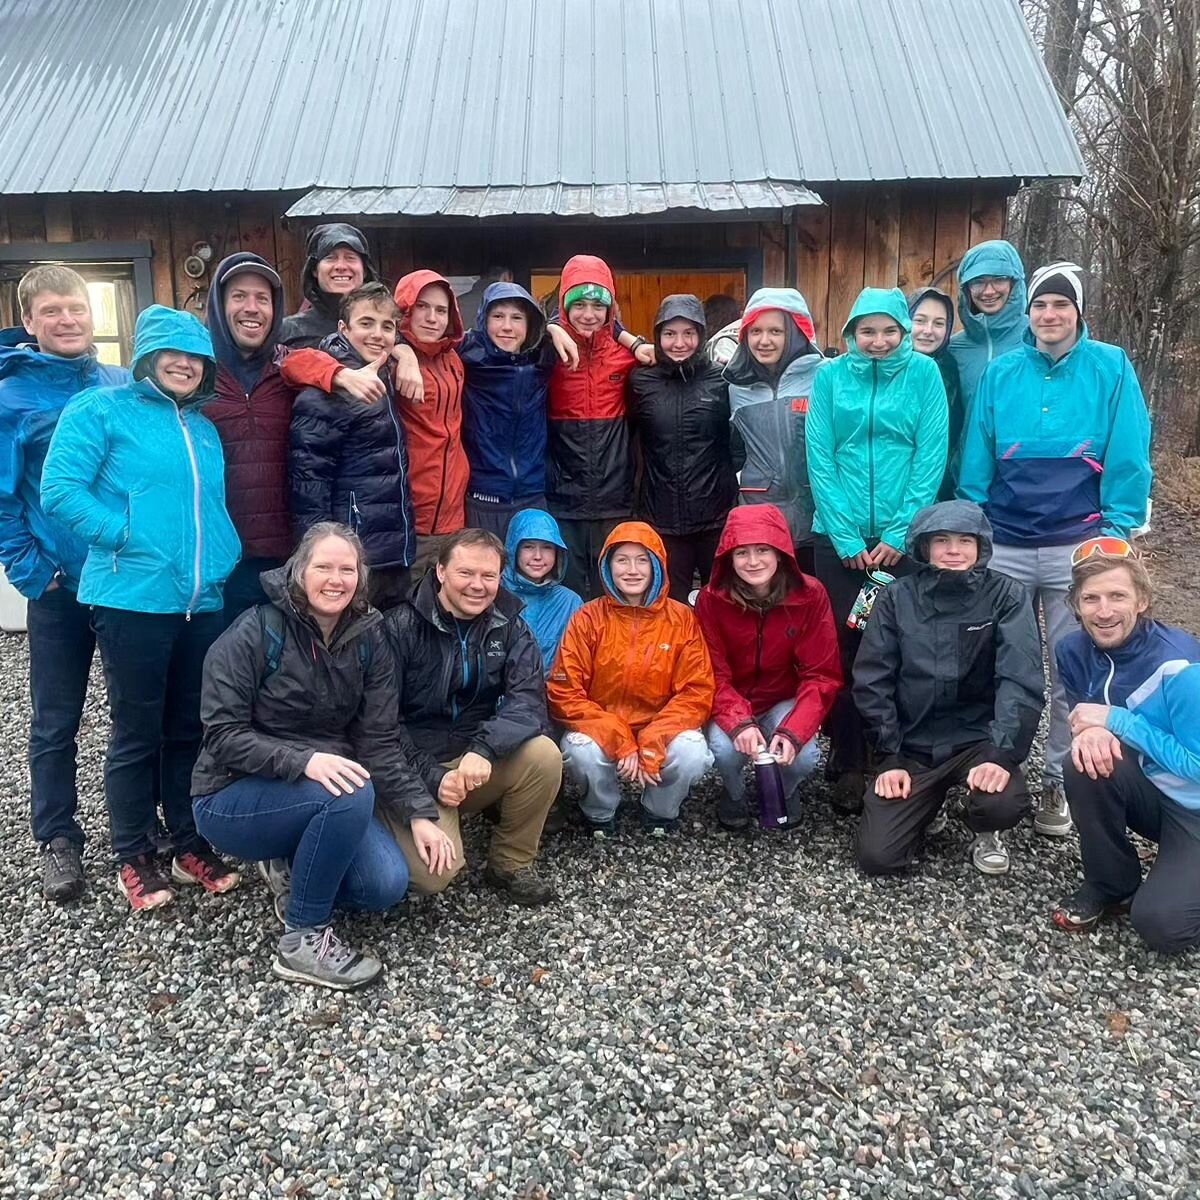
772,804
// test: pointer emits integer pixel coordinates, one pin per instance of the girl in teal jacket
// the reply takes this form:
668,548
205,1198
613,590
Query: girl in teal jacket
877,439
137,472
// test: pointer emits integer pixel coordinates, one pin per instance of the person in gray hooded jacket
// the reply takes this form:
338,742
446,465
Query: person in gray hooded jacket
948,681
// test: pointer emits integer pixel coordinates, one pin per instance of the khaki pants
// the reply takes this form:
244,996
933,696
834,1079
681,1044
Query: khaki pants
527,781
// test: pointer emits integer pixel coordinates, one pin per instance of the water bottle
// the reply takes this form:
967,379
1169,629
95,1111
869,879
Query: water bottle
772,803
860,610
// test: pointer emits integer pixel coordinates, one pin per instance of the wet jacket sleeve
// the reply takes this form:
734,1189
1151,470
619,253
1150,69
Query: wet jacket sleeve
379,744
731,710
691,699
430,771
876,671
318,431
819,665
1125,484
77,451
978,463
233,669
928,466
27,568
1176,750
309,368
521,713
833,506
1019,683
568,691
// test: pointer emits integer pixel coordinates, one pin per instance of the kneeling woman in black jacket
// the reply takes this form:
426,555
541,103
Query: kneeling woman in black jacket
300,744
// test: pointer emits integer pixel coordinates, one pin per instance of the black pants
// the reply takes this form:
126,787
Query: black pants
495,515
61,644
1166,907
890,831
153,664
688,555
585,540
388,586
243,589
847,742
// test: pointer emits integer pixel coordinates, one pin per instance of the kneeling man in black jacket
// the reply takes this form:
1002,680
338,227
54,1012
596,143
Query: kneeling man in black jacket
473,711
948,680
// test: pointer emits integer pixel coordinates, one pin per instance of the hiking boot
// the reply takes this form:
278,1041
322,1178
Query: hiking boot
732,816
846,796
276,873
989,854
318,956
521,886
62,870
658,827
204,867
556,819
602,831
1084,907
1053,817
143,884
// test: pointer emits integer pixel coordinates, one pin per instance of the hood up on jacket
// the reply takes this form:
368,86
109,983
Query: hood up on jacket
950,516
245,368
159,328
533,525
643,535
743,367
997,258
407,291
493,294
587,268
889,302
324,240
680,305
751,525
915,300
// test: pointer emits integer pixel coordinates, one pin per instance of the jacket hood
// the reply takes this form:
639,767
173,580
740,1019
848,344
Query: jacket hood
932,293
891,303
160,328
743,367
753,524
689,308
950,516
991,258
407,291
323,240
533,524
587,268
246,367
643,535
511,291
787,300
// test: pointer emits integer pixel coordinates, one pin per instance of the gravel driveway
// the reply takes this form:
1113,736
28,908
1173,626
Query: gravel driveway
706,1017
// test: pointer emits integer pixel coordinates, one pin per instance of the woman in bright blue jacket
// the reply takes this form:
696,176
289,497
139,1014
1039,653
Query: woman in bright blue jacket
137,472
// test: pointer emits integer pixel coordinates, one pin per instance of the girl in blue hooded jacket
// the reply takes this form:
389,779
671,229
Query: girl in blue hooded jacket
137,472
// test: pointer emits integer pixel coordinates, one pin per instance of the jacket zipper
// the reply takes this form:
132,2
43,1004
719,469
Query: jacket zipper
353,515
758,641
399,466
187,441
1112,670
871,447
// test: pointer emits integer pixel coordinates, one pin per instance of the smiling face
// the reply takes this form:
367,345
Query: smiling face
536,560
469,581
587,316
767,337
371,328
755,565
989,293
249,310
340,271
60,324
508,325
430,316
331,578
1109,605
632,571
876,335
929,323
953,551
1054,322
178,374
679,339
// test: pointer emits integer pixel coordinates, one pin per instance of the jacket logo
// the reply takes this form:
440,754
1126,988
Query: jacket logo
664,646
496,646
799,404
977,628
790,631
616,377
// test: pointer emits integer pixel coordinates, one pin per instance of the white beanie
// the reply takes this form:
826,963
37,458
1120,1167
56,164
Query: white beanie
1058,279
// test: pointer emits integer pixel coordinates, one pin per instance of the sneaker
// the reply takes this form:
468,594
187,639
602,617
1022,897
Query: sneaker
658,827
1053,817
143,884
847,793
732,817
318,956
989,854
602,831
521,887
276,873
1081,910
62,870
204,867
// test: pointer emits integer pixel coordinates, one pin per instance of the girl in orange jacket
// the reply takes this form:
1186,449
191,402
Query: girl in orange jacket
632,686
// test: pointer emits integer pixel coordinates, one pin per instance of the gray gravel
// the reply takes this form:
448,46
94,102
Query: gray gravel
705,1017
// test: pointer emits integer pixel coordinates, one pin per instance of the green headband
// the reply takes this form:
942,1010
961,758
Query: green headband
588,291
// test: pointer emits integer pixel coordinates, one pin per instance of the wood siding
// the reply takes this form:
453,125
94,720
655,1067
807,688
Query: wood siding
871,234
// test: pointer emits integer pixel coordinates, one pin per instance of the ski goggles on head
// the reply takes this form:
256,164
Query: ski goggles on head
1106,547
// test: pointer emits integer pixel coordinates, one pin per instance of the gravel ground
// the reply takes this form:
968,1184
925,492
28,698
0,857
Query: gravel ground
705,1017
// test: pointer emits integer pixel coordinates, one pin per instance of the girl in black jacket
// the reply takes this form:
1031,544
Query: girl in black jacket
300,744
679,409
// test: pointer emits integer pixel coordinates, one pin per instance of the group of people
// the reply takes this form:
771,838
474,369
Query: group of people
356,571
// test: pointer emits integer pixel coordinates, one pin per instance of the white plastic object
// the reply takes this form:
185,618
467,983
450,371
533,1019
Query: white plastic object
12,606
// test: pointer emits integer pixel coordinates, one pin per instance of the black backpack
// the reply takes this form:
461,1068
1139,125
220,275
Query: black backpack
274,629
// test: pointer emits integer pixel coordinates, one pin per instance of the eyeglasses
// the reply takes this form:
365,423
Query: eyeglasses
1108,547
988,281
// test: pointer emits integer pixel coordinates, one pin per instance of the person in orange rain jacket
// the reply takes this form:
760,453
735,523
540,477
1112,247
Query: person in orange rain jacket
431,327
632,686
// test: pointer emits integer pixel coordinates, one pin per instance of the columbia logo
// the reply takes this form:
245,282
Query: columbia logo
977,628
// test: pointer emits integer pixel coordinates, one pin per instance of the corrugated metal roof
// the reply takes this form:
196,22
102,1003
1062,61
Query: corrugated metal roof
432,95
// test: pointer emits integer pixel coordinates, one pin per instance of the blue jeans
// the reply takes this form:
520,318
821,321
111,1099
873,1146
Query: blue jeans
340,853
732,763
61,645
153,664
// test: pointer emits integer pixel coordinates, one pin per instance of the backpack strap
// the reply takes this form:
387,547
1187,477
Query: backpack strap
274,628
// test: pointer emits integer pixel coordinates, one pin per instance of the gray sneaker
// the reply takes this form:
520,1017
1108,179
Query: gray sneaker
277,875
62,870
1053,817
318,956
989,854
